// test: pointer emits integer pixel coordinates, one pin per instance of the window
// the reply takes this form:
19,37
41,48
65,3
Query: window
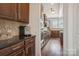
60,23
56,23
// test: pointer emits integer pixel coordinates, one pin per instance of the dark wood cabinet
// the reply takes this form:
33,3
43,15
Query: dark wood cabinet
8,11
24,48
23,12
15,11
29,50
18,53
61,39
55,33
30,47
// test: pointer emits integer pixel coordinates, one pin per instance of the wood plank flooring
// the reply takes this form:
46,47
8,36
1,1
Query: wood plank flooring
53,48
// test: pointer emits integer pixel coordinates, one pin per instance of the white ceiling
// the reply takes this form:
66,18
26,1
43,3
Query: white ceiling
57,7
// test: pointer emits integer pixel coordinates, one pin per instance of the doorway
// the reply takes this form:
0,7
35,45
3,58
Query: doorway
52,29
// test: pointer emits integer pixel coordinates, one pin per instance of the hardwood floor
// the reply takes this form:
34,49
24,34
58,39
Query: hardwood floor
53,48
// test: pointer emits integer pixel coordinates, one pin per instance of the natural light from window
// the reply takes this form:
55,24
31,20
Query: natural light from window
56,22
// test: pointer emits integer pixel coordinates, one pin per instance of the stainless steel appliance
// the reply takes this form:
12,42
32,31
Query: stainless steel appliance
24,31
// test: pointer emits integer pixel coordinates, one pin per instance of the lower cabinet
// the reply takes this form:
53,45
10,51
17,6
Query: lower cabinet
18,53
30,50
23,48
30,47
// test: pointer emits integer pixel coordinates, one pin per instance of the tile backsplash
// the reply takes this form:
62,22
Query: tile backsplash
9,29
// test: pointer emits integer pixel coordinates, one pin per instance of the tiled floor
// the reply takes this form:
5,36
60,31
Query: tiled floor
53,48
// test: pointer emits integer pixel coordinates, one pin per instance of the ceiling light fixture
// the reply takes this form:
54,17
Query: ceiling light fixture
52,11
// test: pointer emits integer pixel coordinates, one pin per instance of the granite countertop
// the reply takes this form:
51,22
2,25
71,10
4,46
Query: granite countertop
59,29
12,41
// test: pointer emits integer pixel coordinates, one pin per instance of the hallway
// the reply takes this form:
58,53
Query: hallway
53,48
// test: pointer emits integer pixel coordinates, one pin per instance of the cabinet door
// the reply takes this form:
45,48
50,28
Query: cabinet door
18,53
30,50
23,12
8,11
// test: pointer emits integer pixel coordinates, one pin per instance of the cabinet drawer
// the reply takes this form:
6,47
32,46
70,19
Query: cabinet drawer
20,52
17,46
11,49
5,51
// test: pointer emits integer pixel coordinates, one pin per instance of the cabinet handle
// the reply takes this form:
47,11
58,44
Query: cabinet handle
16,48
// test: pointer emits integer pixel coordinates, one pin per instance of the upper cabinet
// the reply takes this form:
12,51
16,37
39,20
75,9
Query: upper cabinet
15,11
23,12
8,11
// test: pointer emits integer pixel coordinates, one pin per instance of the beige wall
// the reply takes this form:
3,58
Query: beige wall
35,25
